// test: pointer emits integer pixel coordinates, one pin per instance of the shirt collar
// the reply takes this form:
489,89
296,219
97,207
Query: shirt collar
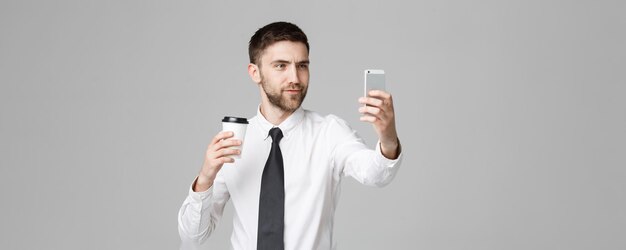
286,126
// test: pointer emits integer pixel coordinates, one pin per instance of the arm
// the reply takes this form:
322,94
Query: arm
208,194
200,212
369,167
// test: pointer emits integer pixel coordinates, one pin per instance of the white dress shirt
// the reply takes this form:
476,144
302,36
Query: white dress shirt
317,152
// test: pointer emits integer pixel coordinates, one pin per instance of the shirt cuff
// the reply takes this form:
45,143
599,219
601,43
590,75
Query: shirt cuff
199,196
384,161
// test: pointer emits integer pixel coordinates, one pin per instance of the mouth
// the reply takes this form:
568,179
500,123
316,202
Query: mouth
292,91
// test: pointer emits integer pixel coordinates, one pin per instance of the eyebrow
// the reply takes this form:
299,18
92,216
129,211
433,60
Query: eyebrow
288,62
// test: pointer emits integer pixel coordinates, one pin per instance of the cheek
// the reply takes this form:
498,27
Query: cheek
277,77
304,75
302,72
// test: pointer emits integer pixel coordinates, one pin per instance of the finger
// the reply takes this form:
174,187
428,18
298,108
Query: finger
379,94
227,143
222,135
367,118
371,101
375,111
226,160
227,152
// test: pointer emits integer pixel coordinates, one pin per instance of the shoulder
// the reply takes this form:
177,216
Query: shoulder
328,122
325,119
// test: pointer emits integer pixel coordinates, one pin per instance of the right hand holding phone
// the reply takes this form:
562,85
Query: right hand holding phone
216,155
380,113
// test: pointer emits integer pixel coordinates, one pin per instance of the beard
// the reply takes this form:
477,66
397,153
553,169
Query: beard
286,103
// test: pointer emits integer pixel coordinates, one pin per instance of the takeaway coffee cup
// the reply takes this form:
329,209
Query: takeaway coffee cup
238,126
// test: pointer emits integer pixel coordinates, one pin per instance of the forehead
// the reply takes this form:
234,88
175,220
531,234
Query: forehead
285,50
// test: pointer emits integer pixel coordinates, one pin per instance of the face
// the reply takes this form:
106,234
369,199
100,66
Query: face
284,74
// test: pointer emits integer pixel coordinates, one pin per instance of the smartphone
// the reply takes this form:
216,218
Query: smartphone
374,79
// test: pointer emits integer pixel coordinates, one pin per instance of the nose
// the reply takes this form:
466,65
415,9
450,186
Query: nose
293,75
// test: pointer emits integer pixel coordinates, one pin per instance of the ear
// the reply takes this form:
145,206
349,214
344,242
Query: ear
254,72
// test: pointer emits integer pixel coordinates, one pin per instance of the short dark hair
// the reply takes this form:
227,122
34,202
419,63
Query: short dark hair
272,33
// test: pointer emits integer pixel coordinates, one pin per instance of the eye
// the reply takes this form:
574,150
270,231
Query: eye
303,66
279,66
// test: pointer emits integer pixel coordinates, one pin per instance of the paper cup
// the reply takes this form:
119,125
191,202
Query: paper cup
238,126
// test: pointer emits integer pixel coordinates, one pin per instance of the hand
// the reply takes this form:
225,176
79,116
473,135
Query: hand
216,155
379,112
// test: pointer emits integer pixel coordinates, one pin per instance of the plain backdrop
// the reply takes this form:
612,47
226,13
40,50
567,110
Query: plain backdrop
512,117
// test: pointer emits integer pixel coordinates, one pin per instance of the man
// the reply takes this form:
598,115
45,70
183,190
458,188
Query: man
287,200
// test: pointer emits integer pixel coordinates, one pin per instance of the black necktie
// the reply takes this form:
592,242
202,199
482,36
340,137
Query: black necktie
272,199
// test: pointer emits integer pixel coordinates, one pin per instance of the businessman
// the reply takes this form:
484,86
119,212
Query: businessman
286,185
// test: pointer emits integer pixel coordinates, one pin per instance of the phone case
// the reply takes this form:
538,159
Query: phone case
374,79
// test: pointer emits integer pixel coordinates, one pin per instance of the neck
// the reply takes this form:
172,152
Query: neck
273,114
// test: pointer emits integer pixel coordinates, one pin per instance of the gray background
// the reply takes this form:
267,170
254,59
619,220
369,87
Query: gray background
511,114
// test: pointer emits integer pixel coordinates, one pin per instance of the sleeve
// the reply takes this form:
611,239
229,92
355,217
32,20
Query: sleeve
201,212
353,158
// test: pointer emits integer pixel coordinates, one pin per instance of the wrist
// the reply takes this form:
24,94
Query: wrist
390,143
390,150
202,184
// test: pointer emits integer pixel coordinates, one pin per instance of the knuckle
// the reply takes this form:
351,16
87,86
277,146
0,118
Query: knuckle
213,156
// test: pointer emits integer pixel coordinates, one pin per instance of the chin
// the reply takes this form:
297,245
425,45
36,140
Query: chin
293,103
291,107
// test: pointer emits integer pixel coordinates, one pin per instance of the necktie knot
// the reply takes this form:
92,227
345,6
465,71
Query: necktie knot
276,134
